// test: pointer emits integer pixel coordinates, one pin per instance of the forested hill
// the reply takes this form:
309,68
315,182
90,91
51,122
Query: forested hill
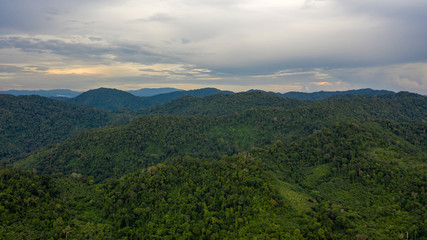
367,178
402,106
30,122
149,92
67,93
324,94
113,151
203,92
242,166
113,99
352,180
221,104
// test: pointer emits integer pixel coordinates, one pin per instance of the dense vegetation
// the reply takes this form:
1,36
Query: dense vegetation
324,95
148,140
366,176
30,122
241,166
113,99
353,180
221,104
148,92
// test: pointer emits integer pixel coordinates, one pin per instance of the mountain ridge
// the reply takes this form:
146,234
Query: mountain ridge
114,99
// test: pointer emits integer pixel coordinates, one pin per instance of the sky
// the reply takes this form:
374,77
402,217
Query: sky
237,45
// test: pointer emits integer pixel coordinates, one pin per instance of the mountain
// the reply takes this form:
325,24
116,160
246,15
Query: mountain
111,99
149,92
162,98
44,93
221,104
148,140
323,94
30,122
221,167
168,94
351,180
351,174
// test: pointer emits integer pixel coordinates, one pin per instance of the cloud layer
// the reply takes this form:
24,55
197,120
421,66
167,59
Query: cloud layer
303,45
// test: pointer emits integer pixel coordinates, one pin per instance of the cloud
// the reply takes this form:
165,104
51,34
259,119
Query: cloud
316,73
158,17
9,69
298,44
82,50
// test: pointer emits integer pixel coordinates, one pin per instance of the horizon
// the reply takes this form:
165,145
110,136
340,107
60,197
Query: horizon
177,89
300,45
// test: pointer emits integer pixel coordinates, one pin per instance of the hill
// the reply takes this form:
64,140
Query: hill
325,94
148,140
242,166
44,93
356,173
149,92
352,180
30,122
221,104
162,98
111,99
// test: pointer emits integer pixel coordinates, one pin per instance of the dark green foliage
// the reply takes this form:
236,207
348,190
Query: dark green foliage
367,180
349,167
30,122
149,140
231,198
66,93
354,180
323,95
167,97
221,104
44,207
111,99
148,92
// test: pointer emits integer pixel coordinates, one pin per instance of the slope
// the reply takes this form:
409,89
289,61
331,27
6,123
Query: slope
148,140
353,180
29,122
368,182
149,92
162,98
221,104
44,93
111,99
324,94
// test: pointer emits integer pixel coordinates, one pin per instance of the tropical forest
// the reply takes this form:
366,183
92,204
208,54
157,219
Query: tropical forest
212,164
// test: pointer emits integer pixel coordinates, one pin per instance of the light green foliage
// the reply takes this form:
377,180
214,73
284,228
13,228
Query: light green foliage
299,200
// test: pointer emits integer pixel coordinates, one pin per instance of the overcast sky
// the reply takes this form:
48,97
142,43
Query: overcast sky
276,45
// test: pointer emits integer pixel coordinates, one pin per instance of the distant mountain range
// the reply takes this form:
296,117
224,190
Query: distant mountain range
148,92
44,93
29,122
113,99
323,94
224,166
67,93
